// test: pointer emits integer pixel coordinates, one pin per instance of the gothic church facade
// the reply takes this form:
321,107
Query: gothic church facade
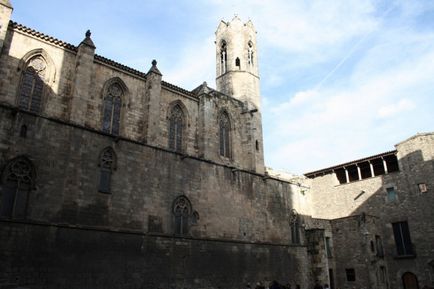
114,178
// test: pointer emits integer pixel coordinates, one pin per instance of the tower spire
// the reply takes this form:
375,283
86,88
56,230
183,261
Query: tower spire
237,71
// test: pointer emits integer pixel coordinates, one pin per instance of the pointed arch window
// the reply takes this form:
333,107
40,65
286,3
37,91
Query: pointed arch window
182,211
17,181
176,126
112,109
224,134
32,85
223,57
107,163
250,53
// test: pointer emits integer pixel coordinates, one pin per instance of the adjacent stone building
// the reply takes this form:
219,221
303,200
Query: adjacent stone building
114,178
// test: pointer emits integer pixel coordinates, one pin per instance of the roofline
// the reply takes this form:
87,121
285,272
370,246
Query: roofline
415,136
313,173
178,89
98,58
42,36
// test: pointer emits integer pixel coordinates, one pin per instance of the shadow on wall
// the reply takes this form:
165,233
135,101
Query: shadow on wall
404,206
27,86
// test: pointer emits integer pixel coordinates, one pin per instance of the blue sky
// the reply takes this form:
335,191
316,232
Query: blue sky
340,80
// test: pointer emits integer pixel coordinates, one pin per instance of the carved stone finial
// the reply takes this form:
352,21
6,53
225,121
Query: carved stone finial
87,41
154,68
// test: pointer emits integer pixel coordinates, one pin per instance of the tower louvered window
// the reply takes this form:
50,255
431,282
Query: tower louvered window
32,85
223,58
107,163
224,131
112,109
250,53
176,125
17,180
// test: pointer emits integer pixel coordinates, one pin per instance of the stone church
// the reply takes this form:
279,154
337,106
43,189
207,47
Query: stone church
114,178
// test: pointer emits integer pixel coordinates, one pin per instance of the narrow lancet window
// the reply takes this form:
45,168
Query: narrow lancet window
112,109
32,85
182,211
176,125
295,227
107,163
224,132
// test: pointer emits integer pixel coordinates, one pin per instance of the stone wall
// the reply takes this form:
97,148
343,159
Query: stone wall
48,256
333,200
74,90
355,248
243,223
145,182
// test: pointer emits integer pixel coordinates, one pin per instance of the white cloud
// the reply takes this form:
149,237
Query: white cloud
337,123
395,108
196,64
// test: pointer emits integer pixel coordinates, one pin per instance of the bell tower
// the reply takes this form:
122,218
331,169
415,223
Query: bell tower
237,71
5,15
237,75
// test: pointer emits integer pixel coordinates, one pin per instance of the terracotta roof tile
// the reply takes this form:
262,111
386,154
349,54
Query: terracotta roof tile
119,65
179,89
43,36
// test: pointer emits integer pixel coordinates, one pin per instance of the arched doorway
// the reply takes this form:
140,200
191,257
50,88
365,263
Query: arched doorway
409,281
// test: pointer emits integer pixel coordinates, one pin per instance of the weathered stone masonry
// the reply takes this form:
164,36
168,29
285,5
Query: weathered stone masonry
114,178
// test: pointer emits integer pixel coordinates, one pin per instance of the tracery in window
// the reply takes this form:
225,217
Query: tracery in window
107,163
224,134
17,181
32,85
182,211
112,109
176,125
223,57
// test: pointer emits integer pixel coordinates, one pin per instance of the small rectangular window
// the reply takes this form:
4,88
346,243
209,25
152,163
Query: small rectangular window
391,194
379,246
328,247
351,274
422,188
402,239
